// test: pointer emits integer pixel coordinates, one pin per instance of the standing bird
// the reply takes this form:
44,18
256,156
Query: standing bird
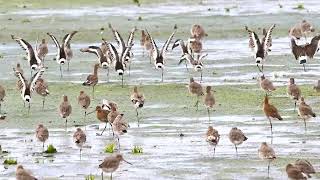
61,57
301,29
267,153
22,174
42,134
158,56
18,68
111,164
209,100
294,173
102,116
112,115
237,137
195,45
305,166
196,89
213,138
65,108
67,47
266,85
2,95
198,31
294,92
41,88
146,43
42,50
305,112
84,102
185,49
317,86
119,127
25,87
260,49
79,137
137,99
270,111
32,55
92,79
304,52
103,59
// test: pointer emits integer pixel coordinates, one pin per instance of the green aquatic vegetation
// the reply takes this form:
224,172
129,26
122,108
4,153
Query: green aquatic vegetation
26,21
10,161
137,150
299,6
110,148
137,2
90,177
51,149
1,56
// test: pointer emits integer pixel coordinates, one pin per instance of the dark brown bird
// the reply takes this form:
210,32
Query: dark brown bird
294,173
92,79
111,164
84,102
195,89
305,166
294,92
270,111
267,153
209,100
237,137
2,95
65,108
303,52
213,137
102,116
305,112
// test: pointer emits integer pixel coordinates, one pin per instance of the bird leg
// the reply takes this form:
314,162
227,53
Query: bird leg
268,169
102,175
187,66
201,76
103,129
122,80
29,108
111,176
295,105
80,153
129,68
108,74
0,107
208,114
270,125
161,74
43,100
92,92
197,103
60,71
305,124
68,65
236,149
259,68
42,146
304,68
214,150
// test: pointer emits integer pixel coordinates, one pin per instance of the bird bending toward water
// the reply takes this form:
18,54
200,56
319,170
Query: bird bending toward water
111,164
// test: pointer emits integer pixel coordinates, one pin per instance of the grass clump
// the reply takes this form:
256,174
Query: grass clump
137,150
51,149
90,177
299,6
137,2
10,161
110,148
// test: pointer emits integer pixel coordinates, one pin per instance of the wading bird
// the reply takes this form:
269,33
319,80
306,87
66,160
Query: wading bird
294,92
195,89
266,152
198,31
42,134
305,112
102,116
41,88
65,109
26,88
146,44
260,48
67,47
22,174
213,138
111,164
42,50
266,85
209,100
158,56
119,127
2,95
137,99
301,29
294,173
305,166
92,79
236,137
270,111
79,137
304,52
84,102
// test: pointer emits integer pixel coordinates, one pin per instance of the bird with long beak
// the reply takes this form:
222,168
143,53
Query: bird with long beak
137,99
260,48
213,138
270,111
158,56
294,92
305,112
266,152
195,89
111,164
79,137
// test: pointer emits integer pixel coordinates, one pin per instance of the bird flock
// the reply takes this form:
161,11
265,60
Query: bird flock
120,56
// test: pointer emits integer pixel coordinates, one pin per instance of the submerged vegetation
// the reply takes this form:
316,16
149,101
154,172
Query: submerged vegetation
51,149
137,150
110,148
10,161
90,177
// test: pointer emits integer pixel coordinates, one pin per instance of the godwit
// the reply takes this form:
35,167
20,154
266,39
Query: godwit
119,127
41,88
61,57
84,102
305,166
103,60
266,84
301,29
111,164
260,49
213,138
102,116
305,112
18,68
198,31
196,89
42,50
32,55
2,95
237,137
195,45
270,111
294,173
22,174
185,49
67,47
267,153
137,99
209,100
92,79
25,87
42,134
65,108
303,52
294,92
79,137
317,86
113,114
107,105
158,56
146,44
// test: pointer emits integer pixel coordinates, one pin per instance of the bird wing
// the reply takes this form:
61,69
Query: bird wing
267,39
67,38
155,50
312,48
124,53
118,38
254,41
113,52
202,57
22,79
25,45
296,50
167,43
131,37
35,78
93,49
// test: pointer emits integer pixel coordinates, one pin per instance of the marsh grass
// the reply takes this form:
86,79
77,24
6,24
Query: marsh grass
51,149
10,161
110,148
137,150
